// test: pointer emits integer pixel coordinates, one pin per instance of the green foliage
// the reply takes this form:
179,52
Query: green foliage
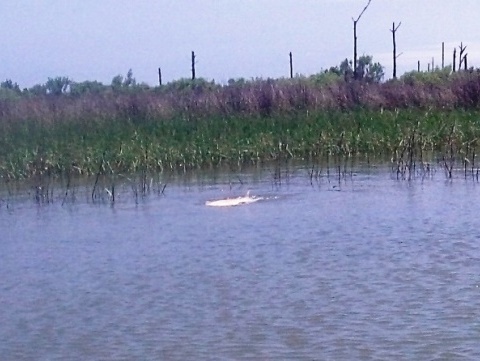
436,77
86,87
117,82
184,84
238,81
57,86
30,148
193,123
7,94
10,85
9,90
327,77
129,79
37,90
346,68
120,83
367,70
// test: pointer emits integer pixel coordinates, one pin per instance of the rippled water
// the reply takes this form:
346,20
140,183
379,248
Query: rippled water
370,267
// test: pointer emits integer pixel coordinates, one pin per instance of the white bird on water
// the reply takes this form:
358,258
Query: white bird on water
228,202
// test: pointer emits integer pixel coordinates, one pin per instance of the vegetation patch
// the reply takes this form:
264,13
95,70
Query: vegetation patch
184,125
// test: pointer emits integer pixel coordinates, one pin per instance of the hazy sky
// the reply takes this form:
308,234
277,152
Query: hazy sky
98,39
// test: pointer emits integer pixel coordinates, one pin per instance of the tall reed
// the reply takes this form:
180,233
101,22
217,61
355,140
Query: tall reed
237,124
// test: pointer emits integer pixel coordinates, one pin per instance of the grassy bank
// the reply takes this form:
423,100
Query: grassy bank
124,145
187,125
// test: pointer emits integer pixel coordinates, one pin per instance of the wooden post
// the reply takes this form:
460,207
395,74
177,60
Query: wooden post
394,30
443,54
193,65
433,63
418,66
355,21
160,76
291,66
465,61
428,67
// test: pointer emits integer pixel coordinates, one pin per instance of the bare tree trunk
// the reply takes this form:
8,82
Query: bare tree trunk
291,66
460,57
394,30
355,21
193,65
160,76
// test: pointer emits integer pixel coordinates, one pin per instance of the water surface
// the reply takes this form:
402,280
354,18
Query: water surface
368,267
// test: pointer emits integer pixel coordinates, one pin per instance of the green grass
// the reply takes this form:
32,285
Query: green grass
126,145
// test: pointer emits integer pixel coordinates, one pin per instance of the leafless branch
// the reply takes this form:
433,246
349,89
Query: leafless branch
396,27
365,8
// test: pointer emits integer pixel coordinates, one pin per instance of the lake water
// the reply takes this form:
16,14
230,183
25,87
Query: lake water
366,267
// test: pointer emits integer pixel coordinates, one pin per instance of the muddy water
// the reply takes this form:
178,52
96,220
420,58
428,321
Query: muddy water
368,267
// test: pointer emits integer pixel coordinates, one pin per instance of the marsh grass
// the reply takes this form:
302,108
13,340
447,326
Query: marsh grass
117,133
124,146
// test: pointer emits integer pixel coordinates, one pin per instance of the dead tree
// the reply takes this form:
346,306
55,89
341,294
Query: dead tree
395,56
461,56
291,66
355,21
193,65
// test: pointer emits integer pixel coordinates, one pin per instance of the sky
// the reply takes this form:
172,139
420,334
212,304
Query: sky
99,39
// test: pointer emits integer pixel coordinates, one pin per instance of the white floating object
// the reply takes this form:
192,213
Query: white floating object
233,201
